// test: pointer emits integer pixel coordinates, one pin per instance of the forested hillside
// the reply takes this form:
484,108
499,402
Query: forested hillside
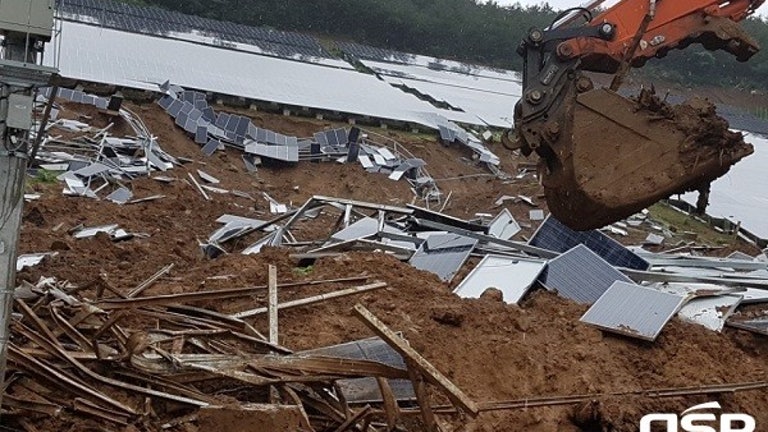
465,30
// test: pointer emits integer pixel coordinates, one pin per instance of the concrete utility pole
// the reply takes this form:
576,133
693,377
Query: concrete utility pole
25,26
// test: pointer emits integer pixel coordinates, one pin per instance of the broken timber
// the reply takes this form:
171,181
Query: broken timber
415,360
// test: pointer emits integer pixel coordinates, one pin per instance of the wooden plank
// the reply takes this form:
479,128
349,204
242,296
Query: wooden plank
315,299
289,395
273,307
411,356
149,282
354,419
422,397
391,410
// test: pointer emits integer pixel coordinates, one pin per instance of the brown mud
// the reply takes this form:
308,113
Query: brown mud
490,350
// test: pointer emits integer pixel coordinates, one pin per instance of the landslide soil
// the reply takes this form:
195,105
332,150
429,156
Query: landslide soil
490,350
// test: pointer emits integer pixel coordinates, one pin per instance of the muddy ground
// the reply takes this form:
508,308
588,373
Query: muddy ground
491,350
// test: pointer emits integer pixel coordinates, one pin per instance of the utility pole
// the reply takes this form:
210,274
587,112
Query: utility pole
25,26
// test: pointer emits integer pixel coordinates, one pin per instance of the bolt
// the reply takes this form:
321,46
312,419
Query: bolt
554,128
565,50
534,96
536,35
584,84
606,29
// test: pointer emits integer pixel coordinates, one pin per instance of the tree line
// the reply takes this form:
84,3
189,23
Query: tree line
465,30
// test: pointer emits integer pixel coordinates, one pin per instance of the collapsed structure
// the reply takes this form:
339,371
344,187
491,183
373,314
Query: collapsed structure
123,355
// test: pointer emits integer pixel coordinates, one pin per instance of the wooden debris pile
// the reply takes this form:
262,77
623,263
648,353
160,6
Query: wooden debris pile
157,363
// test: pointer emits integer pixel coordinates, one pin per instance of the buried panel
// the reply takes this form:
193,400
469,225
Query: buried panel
366,390
555,236
512,276
634,311
580,275
443,254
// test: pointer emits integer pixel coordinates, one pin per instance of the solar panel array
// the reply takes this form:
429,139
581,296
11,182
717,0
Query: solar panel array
555,236
374,53
78,96
156,21
211,130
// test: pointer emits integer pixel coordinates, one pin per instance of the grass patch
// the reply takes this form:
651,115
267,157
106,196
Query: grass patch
44,177
303,271
681,222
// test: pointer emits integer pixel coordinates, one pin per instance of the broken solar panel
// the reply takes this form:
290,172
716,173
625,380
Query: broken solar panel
504,226
406,166
633,310
284,153
364,227
710,312
366,390
553,235
120,196
512,276
580,275
443,254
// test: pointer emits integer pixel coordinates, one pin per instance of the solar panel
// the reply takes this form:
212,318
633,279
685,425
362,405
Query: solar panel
443,254
195,114
190,126
364,227
633,310
210,147
284,153
555,236
222,119
181,120
580,275
271,137
504,226
512,276
261,135
354,151
242,126
187,108
364,390
102,103
209,114
175,108
321,138
201,135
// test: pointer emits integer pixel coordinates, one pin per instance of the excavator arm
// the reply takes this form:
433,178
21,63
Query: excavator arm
605,157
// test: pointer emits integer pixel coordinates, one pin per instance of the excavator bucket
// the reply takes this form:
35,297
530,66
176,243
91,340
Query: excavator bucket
615,156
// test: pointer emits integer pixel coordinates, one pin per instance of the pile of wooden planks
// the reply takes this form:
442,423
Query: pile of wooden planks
154,361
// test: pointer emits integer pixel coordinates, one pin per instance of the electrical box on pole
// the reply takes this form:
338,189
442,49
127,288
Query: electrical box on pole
34,18
25,26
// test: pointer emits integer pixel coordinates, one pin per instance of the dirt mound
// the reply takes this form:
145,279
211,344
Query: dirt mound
490,350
